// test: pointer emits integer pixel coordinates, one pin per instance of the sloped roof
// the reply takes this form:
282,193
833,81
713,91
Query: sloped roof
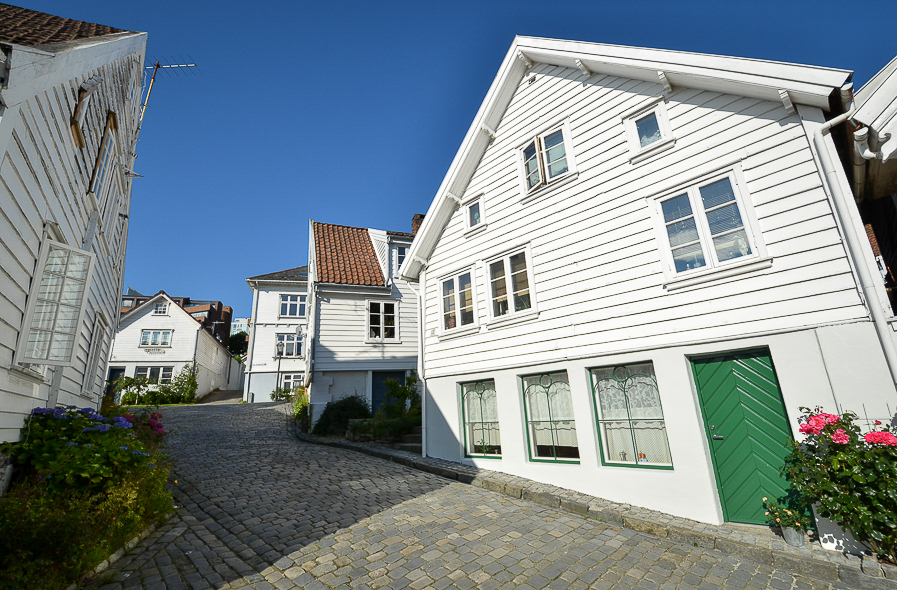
877,103
300,273
345,255
31,27
132,293
400,234
754,78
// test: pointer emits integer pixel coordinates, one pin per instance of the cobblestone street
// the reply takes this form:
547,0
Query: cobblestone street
258,508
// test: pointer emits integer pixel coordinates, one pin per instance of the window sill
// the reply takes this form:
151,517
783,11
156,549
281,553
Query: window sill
382,341
719,273
514,319
652,150
459,333
540,192
475,229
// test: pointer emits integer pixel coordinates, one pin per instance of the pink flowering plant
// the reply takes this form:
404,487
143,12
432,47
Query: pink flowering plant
848,476
782,516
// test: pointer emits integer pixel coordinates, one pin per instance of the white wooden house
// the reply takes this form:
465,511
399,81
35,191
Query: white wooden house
69,98
362,324
639,265
157,338
278,318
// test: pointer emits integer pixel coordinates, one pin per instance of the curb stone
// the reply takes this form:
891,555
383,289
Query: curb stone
121,551
860,573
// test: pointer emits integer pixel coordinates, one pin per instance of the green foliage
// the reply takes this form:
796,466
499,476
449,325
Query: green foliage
387,428
404,398
141,390
86,484
850,477
282,394
784,515
300,409
335,418
238,343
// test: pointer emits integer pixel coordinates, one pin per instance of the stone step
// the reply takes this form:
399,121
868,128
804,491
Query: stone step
408,447
413,439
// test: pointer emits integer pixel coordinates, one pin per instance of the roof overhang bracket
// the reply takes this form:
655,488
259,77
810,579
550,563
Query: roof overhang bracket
419,260
453,197
786,100
582,68
489,130
664,81
526,61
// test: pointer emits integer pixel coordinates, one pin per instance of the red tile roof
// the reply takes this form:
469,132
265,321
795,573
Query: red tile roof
30,27
346,256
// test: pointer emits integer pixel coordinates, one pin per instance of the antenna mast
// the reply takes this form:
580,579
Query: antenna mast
166,68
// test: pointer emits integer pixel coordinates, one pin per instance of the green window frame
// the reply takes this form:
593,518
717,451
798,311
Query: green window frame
550,424
628,412
479,412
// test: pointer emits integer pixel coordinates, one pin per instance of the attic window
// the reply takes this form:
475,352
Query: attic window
79,117
160,308
648,130
546,158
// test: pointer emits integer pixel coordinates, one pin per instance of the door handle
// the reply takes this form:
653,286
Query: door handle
717,437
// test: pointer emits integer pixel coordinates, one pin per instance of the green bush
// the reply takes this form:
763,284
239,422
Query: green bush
848,476
141,390
335,418
388,427
300,409
85,485
282,394
402,398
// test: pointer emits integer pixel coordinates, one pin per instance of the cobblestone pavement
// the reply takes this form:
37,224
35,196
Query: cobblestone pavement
257,508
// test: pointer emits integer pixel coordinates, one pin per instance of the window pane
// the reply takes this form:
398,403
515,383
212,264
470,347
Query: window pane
465,298
293,309
651,442
389,308
78,265
67,319
482,434
144,338
141,371
552,429
688,257
717,193
676,208
72,290
618,445
50,287
448,303
519,282
56,260
724,219
531,166
682,232
375,332
648,130
555,154
166,338
375,307
730,246
61,346
283,309
44,315
474,211
499,289
154,373
38,344
389,333
155,339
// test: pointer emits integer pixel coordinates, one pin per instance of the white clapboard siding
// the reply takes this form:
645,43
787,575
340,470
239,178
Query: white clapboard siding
597,264
44,177
341,326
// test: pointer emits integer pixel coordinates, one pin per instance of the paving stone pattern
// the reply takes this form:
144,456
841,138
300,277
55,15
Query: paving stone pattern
258,508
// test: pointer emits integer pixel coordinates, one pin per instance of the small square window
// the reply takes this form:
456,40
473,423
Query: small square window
160,308
382,321
546,158
648,130
474,214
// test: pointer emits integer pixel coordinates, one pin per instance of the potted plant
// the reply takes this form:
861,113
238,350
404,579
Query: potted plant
792,522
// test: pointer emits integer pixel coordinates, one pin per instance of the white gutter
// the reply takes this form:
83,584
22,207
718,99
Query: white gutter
420,357
855,246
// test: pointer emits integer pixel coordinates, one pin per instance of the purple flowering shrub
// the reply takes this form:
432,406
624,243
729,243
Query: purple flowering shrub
85,484
849,476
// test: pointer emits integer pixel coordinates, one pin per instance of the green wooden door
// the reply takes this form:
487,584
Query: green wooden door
747,429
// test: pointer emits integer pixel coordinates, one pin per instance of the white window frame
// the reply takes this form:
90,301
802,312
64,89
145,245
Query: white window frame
398,263
466,206
471,270
97,337
512,314
21,356
367,323
546,182
106,160
160,308
657,106
146,370
301,305
713,268
297,340
297,379
161,332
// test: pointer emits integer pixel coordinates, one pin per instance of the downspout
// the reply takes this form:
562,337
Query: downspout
854,244
420,357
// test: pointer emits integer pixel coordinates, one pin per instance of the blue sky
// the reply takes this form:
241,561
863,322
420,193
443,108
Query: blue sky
351,112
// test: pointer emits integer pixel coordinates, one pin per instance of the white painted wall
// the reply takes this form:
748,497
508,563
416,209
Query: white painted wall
44,177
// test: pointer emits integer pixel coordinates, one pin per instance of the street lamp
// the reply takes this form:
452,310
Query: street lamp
279,356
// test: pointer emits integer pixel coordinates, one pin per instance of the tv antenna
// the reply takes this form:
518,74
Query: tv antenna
166,69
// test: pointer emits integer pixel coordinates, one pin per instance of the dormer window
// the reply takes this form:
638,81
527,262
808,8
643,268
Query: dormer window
648,130
160,308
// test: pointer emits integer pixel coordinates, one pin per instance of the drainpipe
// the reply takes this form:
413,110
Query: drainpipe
861,139
420,358
855,245
251,340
